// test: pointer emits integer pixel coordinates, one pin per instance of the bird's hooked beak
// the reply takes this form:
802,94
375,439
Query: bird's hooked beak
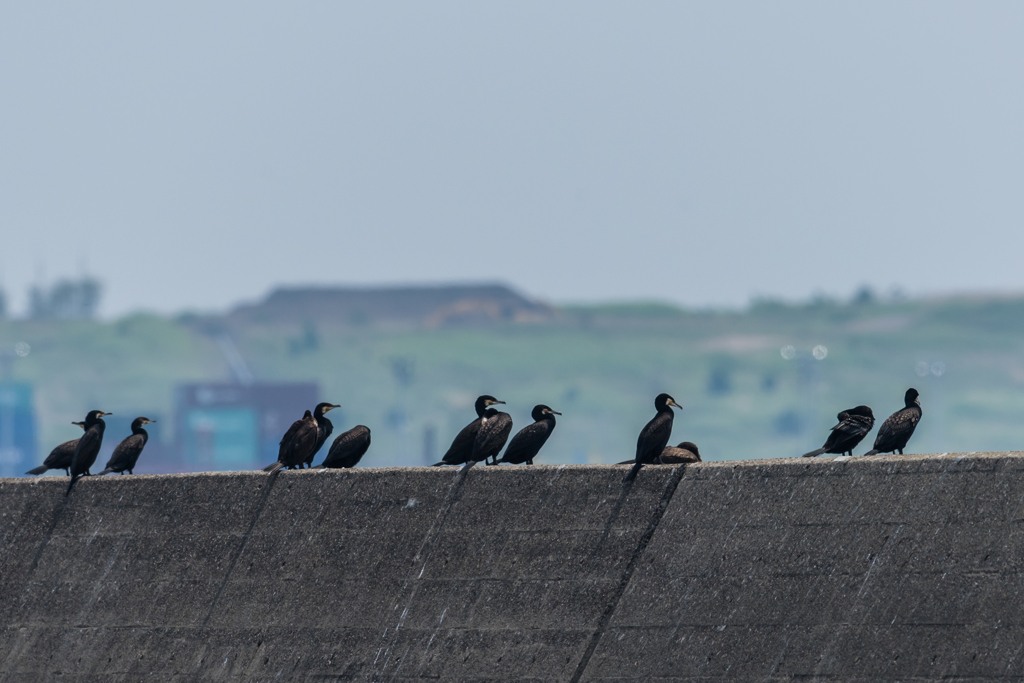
495,402
552,412
918,401
672,402
150,422
330,408
102,414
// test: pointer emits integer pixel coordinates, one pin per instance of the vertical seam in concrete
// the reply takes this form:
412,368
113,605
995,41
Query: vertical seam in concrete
241,546
602,624
46,540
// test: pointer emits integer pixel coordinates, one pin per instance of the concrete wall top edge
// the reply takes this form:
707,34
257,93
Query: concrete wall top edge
444,473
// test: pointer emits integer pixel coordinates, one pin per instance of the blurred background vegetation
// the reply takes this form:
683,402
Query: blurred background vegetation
762,382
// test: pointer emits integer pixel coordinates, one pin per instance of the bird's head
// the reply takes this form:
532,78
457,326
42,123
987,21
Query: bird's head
690,446
485,402
322,408
542,411
664,401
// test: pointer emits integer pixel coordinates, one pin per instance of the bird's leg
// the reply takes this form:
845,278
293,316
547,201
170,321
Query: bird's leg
530,461
901,451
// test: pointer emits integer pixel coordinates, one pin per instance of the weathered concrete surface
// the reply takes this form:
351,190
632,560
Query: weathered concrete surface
882,568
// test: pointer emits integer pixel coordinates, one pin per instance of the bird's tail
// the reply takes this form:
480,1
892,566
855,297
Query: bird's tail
274,468
38,470
438,464
814,454
492,463
626,462
872,452
465,468
73,480
632,473
106,471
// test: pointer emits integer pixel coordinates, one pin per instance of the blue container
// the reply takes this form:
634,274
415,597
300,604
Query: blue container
17,429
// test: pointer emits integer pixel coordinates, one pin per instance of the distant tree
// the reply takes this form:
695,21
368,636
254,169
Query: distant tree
66,300
864,296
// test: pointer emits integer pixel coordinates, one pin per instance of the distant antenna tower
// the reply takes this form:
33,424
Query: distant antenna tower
236,363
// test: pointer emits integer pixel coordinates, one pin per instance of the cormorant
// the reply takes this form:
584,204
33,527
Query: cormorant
60,457
854,425
348,449
897,429
461,450
495,426
127,453
684,453
525,445
296,444
654,437
324,427
88,447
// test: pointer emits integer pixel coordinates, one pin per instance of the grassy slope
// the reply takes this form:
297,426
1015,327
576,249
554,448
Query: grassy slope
600,366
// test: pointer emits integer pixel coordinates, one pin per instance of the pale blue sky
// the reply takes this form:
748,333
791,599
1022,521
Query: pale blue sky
192,154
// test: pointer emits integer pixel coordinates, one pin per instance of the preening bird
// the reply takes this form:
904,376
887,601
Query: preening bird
88,447
324,427
854,425
60,457
654,437
897,429
348,449
296,444
127,453
684,453
527,443
461,450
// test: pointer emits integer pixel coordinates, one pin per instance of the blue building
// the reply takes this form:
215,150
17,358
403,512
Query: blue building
222,426
17,429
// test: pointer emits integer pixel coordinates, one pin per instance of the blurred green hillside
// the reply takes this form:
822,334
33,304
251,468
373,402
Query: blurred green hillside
601,366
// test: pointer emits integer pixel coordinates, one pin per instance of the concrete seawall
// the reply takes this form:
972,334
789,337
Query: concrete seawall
881,568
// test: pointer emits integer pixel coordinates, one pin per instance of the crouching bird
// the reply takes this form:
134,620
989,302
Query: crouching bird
684,453
348,449
127,453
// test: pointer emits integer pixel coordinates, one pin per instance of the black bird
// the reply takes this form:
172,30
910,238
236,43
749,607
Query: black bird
854,425
654,437
60,457
461,450
349,448
127,453
88,447
897,429
324,427
296,444
684,453
495,426
525,445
